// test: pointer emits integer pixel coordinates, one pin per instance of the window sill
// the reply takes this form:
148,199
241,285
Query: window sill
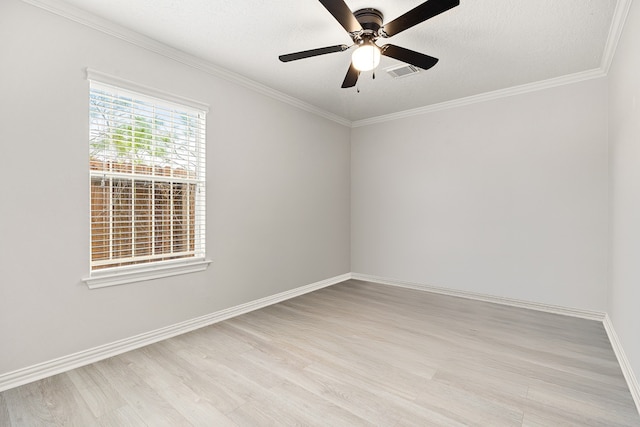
101,279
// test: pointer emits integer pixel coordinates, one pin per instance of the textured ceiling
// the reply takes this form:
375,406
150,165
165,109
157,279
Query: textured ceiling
483,45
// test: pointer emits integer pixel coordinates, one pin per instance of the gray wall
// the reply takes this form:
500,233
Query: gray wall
277,199
624,152
505,197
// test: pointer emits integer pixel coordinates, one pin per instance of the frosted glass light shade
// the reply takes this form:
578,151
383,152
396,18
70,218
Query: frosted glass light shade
366,57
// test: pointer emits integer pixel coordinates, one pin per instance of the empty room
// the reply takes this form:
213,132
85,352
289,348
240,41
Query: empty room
320,213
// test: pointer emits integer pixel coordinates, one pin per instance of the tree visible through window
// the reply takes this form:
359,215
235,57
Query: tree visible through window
147,176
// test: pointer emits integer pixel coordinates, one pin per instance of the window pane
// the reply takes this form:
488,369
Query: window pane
147,179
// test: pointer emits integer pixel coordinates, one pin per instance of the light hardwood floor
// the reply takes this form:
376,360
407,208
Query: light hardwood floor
352,354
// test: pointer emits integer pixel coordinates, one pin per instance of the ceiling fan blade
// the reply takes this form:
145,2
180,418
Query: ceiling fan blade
409,56
343,14
418,14
312,52
351,78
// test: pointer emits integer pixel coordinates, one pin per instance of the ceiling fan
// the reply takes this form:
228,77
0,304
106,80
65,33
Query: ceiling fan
365,27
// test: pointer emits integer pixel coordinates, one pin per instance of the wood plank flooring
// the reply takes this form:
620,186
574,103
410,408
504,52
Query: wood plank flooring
353,354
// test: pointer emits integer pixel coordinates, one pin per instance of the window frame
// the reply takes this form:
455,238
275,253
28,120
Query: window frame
153,269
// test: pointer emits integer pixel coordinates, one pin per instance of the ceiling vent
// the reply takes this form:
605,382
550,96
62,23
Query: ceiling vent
402,71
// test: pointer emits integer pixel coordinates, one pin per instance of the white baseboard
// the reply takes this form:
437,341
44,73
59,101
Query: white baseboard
82,358
567,311
627,371
66,363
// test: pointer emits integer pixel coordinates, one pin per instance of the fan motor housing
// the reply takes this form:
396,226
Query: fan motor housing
365,27
370,19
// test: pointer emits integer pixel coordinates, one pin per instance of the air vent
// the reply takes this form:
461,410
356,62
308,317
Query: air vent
402,71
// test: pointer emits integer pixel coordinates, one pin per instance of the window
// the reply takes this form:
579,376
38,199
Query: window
147,183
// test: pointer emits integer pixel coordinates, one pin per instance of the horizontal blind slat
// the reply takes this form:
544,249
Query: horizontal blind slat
147,179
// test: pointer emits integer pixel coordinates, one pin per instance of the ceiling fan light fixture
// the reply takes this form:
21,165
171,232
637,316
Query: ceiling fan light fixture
366,57
365,26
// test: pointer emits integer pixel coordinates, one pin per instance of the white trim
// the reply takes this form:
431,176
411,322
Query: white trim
82,358
92,21
85,18
487,96
625,366
160,95
85,357
82,17
627,371
615,31
139,273
548,308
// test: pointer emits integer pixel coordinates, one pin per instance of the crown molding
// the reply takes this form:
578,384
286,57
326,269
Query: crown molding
65,10
487,96
615,31
90,20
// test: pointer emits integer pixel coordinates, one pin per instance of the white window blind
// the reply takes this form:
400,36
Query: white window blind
147,179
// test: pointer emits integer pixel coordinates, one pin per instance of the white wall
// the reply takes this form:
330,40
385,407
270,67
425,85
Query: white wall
505,197
624,152
278,193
